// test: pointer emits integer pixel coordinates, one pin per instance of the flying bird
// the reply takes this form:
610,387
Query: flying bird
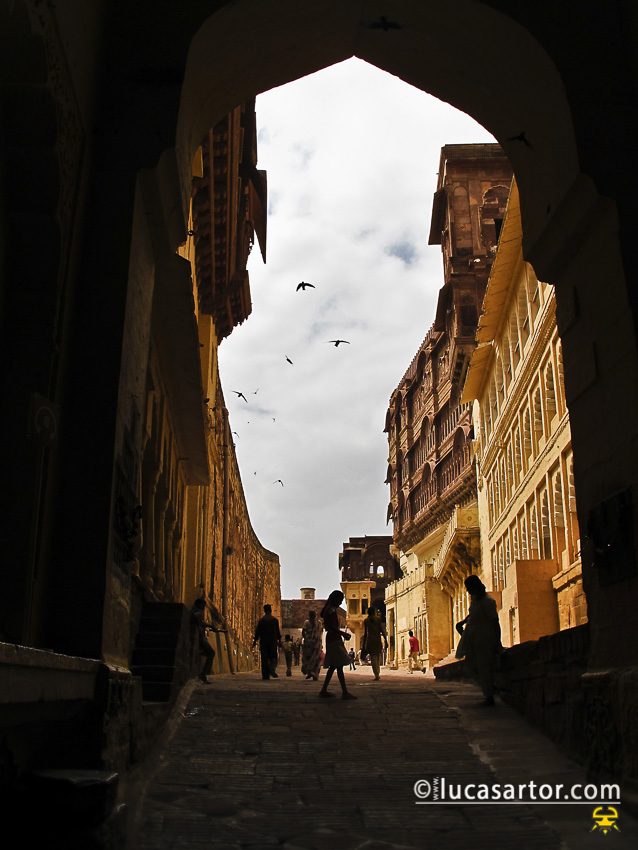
241,395
522,137
289,360
384,24
303,286
338,342
278,481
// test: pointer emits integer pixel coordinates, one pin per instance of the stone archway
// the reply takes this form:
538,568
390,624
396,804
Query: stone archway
149,81
490,66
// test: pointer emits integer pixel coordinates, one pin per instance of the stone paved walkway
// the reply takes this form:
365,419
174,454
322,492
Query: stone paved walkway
257,764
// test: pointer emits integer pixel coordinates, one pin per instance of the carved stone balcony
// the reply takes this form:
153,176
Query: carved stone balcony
461,542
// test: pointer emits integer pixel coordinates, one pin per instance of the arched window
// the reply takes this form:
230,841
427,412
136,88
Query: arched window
528,443
561,374
550,392
500,384
507,365
523,315
537,408
514,340
524,542
546,551
533,533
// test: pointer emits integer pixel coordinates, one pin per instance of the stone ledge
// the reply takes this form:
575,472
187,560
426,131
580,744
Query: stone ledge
33,675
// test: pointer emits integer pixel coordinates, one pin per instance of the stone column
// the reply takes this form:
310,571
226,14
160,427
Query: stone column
150,477
169,553
161,504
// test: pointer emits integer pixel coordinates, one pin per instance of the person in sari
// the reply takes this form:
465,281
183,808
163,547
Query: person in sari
311,649
481,633
336,656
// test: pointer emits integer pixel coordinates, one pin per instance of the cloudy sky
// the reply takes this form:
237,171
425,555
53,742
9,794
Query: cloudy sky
352,156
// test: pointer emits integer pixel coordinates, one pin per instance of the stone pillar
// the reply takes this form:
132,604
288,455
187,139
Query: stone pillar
161,504
150,477
169,553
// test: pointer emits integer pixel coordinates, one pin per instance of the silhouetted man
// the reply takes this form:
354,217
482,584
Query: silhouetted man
198,618
269,637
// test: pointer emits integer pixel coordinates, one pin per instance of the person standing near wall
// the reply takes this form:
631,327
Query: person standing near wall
198,619
481,637
269,637
413,657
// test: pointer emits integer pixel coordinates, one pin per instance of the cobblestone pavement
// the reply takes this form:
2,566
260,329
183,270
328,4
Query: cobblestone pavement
256,764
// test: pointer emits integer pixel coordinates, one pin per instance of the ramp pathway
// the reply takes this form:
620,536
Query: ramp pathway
253,764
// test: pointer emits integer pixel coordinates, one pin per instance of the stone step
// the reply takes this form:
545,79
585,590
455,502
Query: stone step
144,656
156,691
154,673
84,797
160,624
147,640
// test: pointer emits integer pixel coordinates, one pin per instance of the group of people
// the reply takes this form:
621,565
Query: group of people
480,643
268,635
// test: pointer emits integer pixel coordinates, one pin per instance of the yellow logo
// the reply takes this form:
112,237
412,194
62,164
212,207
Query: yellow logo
605,820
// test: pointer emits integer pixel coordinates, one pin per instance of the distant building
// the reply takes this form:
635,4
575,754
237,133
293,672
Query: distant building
432,483
294,612
368,565
530,539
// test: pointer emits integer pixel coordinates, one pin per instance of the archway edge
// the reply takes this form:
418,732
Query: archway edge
461,51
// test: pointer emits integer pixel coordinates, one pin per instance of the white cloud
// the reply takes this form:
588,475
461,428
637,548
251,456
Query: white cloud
351,154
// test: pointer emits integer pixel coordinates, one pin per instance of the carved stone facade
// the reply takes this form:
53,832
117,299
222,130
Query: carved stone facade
530,538
430,472
368,566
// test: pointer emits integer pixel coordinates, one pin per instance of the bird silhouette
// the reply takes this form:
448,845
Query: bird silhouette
278,481
338,342
303,286
236,434
522,137
256,391
289,360
241,395
384,24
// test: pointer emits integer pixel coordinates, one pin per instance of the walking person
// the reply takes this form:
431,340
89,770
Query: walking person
336,657
269,637
413,657
481,636
198,619
311,649
287,648
374,640
353,658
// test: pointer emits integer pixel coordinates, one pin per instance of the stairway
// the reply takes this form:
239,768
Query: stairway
156,646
